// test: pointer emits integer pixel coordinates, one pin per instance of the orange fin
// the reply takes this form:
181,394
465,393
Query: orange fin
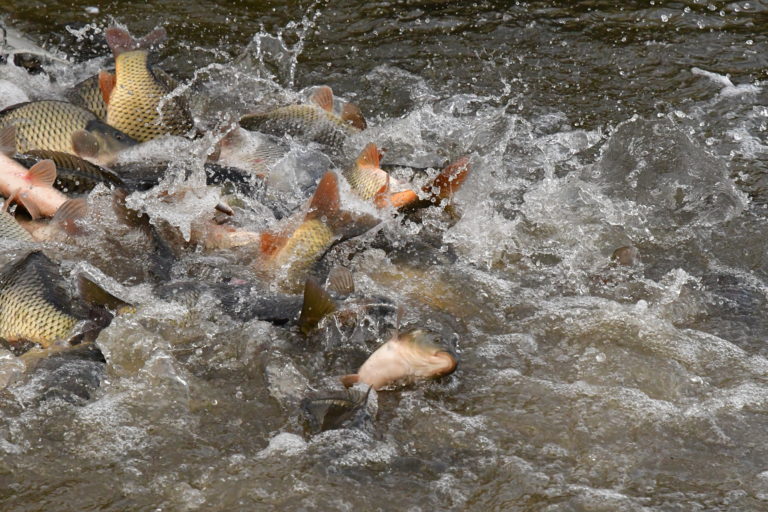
8,140
107,83
69,212
323,98
353,116
350,380
271,243
404,198
42,174
325,202
369,157
449,179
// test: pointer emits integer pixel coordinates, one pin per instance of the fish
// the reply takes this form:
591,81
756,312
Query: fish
314,121
245,301
371,183
288,255
137,96
12,230
342,409
73,174
32,187
404,359
87,94
60,126
245,150
35,306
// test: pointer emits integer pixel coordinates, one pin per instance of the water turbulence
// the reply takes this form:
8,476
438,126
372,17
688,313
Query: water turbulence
436,255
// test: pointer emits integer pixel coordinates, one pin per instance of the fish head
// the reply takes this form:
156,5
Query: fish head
428,355
100,143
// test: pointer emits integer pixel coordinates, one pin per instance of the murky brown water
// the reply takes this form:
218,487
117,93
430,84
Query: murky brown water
582,386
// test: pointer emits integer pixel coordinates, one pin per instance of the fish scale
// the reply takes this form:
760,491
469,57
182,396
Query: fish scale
301,250
12,230
308,121
33,304
135,102
46,124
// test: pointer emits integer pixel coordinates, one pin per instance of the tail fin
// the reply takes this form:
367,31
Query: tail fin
8,140
121,41
68,214
317,305
449,180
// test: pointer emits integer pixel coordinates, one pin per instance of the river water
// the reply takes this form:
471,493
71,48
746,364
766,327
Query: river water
582,385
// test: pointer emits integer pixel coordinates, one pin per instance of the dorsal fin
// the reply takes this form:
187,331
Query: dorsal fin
369,157
325,201
352,115
8,140
317,305
69,212
323,98
341,281
106,84
42,174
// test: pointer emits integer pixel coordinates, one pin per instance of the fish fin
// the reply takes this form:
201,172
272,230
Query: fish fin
449,179
154,38
352,115
31,207
107,83
404,198
8,140
9,201
69,212
85,144
325,201
317,305
323,98
120,40
95,295
370,157
340,280
350,380
42,174
272,242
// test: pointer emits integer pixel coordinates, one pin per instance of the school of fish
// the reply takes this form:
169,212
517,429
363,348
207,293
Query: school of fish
53,153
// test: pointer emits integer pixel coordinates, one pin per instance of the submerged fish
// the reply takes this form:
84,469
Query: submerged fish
35,306
369,181
405,358
33,187
239,148
342,409
136,96
60,126
316,121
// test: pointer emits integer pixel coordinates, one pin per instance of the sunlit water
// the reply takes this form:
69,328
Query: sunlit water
582,385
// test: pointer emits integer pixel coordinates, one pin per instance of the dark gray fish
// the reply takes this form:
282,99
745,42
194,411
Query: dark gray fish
73,174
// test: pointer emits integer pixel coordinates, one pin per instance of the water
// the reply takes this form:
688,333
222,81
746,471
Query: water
582,385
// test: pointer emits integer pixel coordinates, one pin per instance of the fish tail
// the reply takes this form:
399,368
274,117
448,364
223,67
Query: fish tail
449,180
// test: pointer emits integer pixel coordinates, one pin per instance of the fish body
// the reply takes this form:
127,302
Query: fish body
404,359
12,230
371,183
73,174
315,121
345,409
34,305
137,96
87,94
60,126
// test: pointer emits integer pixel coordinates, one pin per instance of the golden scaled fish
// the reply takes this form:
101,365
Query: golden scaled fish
404,359
35,306
12,230
287,256
87,94
318,121
137,97
369,181
60,126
